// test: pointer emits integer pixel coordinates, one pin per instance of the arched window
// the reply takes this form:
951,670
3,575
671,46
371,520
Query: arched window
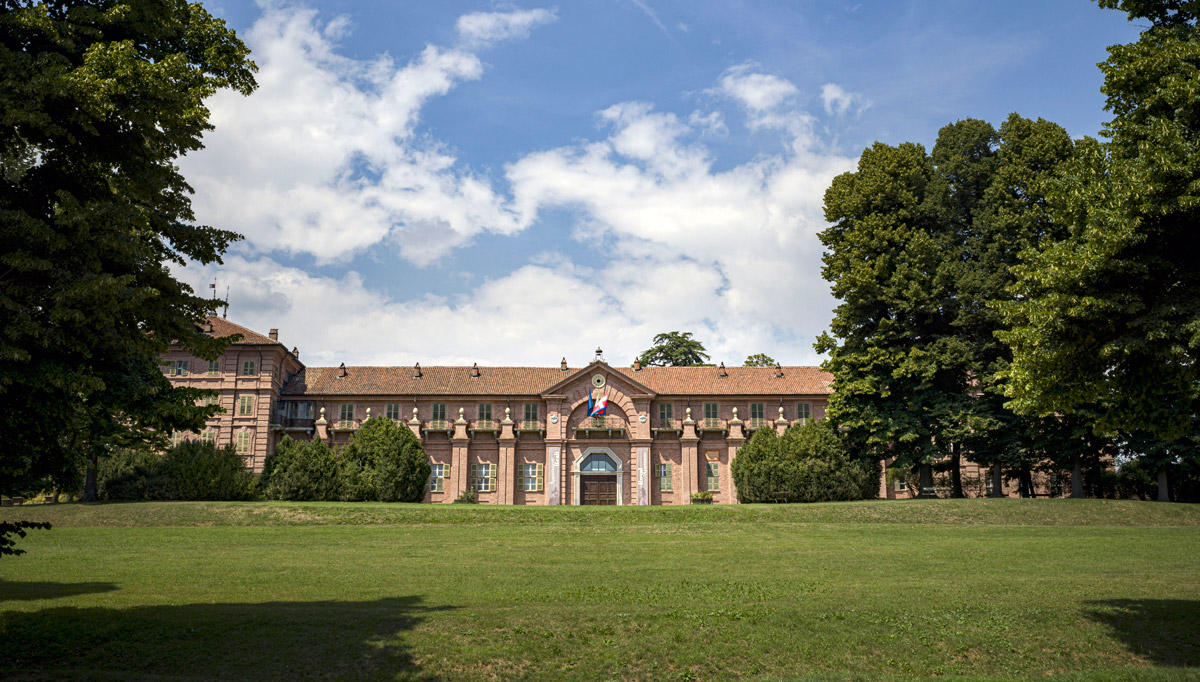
598,462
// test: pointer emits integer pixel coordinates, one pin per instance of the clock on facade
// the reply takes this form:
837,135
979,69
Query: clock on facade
598,380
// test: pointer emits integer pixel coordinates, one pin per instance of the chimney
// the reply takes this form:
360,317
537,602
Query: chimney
475,371
778,371
637,364
563,366
296,351
342,370
274,334
417,371
721,371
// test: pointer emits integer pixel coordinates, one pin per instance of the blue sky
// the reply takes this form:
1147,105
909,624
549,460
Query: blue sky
460,182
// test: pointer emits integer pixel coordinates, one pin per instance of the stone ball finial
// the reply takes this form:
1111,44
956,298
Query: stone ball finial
414,412
735,413
781,411
507,411
368,413
322,413
689,411
461,411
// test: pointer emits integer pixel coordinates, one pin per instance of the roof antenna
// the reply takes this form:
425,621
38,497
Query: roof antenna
225,315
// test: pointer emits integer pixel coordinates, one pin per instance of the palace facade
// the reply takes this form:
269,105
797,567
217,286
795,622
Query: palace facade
514,435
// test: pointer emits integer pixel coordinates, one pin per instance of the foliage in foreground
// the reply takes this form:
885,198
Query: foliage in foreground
99,100
809,463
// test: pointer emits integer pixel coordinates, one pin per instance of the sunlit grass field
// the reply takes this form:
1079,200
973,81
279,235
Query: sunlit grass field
976,589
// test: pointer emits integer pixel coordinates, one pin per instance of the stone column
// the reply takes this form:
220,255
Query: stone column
507,477
459,445
414,425
689,445
734,446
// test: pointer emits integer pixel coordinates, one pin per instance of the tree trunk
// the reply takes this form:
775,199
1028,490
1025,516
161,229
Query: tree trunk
956,489
1077,479
89,484
926,491
1163,494
997,481
1026,481
54,498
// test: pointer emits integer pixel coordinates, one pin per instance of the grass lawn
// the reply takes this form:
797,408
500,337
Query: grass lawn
986,589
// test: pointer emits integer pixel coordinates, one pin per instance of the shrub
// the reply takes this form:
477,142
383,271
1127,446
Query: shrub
390,464
305,471
134,475
809,463
203,471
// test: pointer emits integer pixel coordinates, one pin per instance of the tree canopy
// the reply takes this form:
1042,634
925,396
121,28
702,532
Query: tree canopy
99,98
674,349
1108,316
759,360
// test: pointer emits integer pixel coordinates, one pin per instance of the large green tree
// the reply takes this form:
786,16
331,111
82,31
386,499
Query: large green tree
759,360
1108,317
920,249
674,349
97,100
900,368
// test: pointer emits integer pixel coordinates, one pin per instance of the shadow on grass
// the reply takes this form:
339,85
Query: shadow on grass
269,641
28,591
1163,631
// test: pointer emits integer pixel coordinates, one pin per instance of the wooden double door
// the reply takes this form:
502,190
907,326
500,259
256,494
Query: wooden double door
598,490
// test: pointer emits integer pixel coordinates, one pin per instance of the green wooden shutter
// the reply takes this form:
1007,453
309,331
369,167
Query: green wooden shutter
492,477
474,476
541,477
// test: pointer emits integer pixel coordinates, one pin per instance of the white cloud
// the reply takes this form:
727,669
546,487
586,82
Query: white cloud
838,101
325,159
484,28
731,255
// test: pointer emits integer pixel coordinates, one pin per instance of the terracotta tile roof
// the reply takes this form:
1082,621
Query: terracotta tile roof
740,380
529,381
222,327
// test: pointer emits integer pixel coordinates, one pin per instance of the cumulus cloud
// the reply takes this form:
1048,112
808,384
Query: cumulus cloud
485,28
325,159
732,253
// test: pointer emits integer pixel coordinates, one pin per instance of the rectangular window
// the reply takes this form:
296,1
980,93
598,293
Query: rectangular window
483,477
531,416
176,438
532,477
208,436
437,478
757,415
392,411
439,416
298,409
665,480
485,416
244,439
346,415
181,368
248,368
666,415
210,400
803,412
711,412
246,406
713,472
214,368
901,485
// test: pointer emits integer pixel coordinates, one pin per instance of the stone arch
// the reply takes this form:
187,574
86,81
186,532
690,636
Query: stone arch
621,472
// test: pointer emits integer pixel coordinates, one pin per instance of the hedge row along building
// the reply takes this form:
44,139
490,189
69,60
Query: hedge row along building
515,435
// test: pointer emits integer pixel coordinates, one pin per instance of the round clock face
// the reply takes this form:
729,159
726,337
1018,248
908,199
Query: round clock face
598,380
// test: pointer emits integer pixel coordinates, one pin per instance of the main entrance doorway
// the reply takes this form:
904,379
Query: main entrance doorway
598,490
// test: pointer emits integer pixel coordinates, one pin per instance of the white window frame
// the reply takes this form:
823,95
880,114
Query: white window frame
709,469
249,368
437,478
666,479
245,442
246,406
